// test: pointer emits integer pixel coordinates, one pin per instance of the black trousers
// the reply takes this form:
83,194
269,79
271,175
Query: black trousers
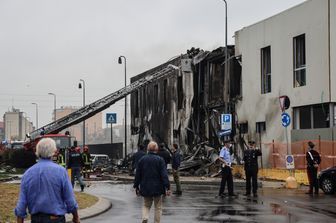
251,174
312,177
47,218
226,178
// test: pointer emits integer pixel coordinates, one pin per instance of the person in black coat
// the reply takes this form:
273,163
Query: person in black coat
313,160
151,181
76,164
164,154
137,156
176,162
251,168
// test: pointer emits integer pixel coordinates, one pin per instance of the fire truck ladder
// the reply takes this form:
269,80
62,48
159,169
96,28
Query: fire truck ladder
101,104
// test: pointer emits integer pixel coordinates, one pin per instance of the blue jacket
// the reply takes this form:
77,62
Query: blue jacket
136,157
151,177
176,160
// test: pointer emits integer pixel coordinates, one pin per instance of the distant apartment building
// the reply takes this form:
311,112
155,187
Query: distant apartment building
292,53
2,131
93,125
16,125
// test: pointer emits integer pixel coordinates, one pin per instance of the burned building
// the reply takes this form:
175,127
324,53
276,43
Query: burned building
161,110
186,106
215,93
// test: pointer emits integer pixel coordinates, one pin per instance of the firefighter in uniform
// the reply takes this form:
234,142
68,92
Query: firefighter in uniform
76,164
61,158
87,162
251,168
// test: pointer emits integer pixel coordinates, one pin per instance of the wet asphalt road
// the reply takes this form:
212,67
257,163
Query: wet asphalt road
199,204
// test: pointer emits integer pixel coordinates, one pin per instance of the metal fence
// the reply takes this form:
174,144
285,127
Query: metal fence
278,152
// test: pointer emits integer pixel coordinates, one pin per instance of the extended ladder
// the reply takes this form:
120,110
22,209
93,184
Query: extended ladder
101,104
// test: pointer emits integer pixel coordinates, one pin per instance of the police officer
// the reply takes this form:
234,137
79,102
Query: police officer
313,160
251,168
225,159
87,162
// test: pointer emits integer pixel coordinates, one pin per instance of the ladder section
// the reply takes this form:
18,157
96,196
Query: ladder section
101,104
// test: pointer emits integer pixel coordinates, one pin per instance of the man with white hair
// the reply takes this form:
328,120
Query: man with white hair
46,189
151,181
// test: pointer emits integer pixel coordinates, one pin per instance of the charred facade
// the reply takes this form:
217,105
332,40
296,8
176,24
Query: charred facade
186,107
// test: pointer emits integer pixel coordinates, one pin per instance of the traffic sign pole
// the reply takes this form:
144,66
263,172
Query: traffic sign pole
111,132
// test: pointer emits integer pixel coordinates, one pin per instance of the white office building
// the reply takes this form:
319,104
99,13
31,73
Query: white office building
292,53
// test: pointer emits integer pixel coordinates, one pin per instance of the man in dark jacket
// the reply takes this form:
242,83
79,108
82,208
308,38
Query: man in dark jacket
76,164
164,154
137,156
176,162
313,160
251,168
151,181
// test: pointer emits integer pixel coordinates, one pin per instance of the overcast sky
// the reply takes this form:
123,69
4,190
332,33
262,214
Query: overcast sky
47,46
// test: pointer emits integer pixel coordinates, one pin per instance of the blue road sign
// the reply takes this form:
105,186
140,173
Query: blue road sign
226,122
111,118
290,162
285,119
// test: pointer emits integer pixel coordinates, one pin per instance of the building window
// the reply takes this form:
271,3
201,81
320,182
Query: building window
266,70
320,114
243,128
312,116
260,127
299,57
156,98
305,117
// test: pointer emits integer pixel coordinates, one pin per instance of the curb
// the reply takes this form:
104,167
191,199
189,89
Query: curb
98,208
3,180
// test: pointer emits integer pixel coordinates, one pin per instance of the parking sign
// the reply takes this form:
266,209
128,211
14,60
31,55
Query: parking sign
226,122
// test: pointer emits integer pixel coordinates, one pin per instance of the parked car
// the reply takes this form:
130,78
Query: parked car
327,180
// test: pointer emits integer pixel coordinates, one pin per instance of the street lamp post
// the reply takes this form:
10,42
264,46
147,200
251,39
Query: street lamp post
120,62
226,59
54,104
36,106
80,86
